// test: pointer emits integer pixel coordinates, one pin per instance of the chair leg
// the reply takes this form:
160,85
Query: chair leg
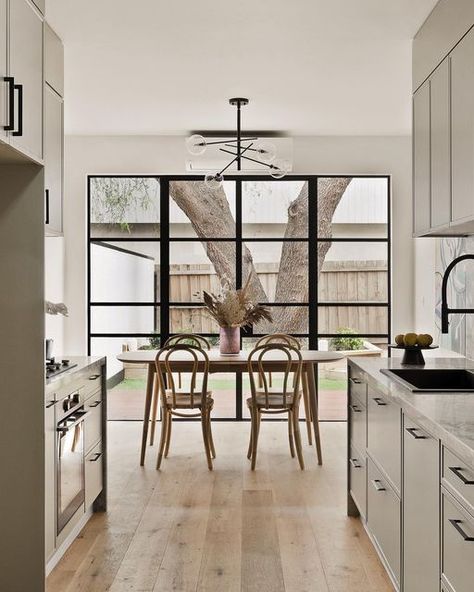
290,435
164,430
296,427
211,439
205,437
249,451
154,409
307,407
256,417
169,423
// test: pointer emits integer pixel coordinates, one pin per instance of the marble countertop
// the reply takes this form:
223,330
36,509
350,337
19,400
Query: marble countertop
447,416
81,362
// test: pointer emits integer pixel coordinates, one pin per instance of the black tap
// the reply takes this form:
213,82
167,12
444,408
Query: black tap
445,310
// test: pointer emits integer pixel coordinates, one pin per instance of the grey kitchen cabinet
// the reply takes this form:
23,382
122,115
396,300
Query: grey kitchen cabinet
358,479
440,149
3,70
462,121
384,435
93,423
40,5
26,67
358,422
93,474
458,478
421,515
53,60
421,160
53,161
50,477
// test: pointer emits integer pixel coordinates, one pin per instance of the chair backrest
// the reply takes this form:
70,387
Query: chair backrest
196,363
291,363
189,339
282,338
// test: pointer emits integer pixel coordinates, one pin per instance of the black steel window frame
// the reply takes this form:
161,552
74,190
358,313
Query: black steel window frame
164,303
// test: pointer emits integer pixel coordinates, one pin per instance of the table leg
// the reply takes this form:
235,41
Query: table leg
146,418
313,401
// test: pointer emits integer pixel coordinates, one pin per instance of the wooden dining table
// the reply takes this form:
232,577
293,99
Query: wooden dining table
274,362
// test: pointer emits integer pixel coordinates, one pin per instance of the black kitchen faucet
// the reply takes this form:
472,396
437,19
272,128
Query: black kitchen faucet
445,310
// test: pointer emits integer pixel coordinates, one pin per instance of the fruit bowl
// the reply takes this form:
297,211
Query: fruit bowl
413,353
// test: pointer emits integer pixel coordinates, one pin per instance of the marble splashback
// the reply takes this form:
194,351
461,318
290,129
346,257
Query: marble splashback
460,294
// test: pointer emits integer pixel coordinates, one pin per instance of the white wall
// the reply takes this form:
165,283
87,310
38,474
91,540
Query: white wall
165,155
54,290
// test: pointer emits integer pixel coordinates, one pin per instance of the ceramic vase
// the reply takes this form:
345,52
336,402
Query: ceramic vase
229,342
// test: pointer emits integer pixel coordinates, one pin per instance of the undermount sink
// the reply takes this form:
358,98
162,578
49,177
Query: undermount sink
433,380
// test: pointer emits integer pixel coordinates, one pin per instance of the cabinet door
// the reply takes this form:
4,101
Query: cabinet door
50,479
458,546
93,474
421,159
53,60
53,160
440,147
462,123
26,66
420,509
3,71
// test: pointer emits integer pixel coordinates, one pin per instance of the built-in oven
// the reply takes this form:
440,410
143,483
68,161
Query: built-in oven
70,457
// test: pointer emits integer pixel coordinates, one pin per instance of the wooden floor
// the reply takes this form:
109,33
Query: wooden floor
185,528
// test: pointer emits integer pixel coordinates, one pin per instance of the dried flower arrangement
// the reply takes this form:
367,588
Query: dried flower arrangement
235,308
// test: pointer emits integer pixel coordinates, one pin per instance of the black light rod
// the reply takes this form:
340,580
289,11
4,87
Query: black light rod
236,158
251,149
228,141
271,166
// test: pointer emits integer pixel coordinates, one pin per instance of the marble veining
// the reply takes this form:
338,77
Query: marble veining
447,416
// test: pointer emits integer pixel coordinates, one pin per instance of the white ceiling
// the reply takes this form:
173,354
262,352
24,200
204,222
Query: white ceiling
169,66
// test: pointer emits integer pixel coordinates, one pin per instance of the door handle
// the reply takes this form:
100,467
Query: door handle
412,432
95,404
355,409
458,527
97,455
378,485
355,380
19,131
354,463
459,475
46,193
11,104
50,404
380,402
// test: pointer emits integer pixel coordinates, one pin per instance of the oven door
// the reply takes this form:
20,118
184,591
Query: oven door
70,466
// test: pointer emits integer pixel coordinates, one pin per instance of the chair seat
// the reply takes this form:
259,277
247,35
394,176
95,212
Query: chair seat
275,400
183,399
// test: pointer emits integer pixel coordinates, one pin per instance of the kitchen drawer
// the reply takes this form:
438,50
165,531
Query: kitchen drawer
357,386
384,434
358,423
358,479
459,476
93,422
458,546
383,517
93,474
86,382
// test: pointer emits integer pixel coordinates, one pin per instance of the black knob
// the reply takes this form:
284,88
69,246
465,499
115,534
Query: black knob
75,398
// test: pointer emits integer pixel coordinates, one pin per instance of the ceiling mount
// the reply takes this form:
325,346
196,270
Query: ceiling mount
240,148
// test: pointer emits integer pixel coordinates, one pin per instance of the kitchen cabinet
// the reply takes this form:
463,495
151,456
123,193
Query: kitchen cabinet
53,161
3,70
458,545
421,477
93,474
421,159
50,477
40,5
358,479
26,67
53,60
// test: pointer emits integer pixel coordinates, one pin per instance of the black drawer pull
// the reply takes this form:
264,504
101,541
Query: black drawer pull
19,131
355,380
459,475
412,432
94,377
95,404
379,401
378,485
354,463
46,196
50,404
355,409
456,524
96,457
11,104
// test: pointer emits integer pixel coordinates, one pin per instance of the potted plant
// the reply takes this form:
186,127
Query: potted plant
233,309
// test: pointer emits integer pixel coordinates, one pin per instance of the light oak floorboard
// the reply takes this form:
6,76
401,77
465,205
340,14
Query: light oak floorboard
185,528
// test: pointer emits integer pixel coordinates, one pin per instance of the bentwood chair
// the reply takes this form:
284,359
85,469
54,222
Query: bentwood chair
183,338
285,339
193,400
275,400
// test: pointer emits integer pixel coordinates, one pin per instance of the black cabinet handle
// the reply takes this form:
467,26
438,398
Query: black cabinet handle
459,475
412,432
378,485
355,380
50,404
19,131
97,455
456,524
379,401
354,463
95,404
355,409
46,193
11,104
94,376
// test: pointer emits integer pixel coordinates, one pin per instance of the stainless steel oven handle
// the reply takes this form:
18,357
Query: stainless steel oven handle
66,428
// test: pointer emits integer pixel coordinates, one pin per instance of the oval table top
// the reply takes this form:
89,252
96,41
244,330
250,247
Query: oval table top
147,356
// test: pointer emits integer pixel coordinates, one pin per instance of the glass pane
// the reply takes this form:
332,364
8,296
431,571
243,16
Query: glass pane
223,387
124,206
353,320
248,343
125,271
279,270
285,319
191,319
112,346
352,207
196,266
352,272
197,211
125,319
275,209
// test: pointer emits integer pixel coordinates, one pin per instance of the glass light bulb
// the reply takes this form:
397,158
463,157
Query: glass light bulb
266,151
213,180
279,168
196,144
